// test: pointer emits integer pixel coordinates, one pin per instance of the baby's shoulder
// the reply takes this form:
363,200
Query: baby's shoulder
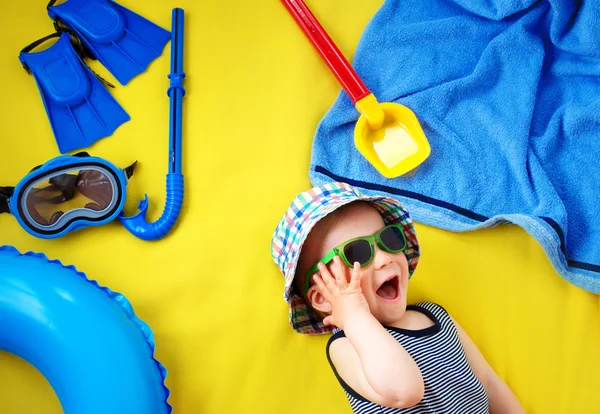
430,307
434,311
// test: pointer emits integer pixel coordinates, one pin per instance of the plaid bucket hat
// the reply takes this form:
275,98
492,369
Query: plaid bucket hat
305,211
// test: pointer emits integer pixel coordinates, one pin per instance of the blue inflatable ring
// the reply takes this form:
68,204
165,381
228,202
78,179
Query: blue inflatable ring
84,338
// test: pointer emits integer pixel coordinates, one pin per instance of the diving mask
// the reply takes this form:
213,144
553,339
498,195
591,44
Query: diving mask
67,193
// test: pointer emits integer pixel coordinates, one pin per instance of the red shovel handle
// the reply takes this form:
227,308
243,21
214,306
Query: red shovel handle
338,64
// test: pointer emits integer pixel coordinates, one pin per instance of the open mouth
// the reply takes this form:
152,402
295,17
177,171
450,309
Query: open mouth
389,291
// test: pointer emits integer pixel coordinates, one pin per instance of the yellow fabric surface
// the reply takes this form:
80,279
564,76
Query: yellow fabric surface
210,292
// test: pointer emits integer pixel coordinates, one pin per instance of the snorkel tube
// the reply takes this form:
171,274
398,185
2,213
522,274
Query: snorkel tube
137,224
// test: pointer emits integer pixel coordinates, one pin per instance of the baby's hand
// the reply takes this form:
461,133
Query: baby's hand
345,298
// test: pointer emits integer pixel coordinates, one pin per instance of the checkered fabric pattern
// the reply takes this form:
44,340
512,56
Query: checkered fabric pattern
305,211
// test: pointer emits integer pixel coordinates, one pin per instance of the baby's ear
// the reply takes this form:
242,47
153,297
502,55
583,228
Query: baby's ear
317,300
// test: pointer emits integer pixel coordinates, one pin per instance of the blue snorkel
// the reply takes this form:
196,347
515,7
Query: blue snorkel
137,224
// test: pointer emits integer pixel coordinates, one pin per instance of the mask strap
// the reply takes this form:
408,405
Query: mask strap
5,195
129,170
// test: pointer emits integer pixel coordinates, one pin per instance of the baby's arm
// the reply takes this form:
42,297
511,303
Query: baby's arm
375,365
501,398
368,359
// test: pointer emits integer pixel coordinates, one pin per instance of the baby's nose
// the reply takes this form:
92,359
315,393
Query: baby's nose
381,258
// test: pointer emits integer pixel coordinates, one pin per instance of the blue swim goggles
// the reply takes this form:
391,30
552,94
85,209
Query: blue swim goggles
67,193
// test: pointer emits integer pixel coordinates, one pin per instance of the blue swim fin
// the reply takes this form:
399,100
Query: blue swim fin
80,109
123,41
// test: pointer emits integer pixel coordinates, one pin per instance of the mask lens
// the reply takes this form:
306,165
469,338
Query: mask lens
393,239
358,251
52,197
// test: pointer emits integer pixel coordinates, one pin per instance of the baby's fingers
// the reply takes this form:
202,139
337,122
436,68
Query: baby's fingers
339,271
321,286
355,277
326,276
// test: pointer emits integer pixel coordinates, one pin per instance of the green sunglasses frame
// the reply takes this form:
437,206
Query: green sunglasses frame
339,251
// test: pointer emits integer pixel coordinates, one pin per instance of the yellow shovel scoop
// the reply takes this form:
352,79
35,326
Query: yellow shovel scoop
388,135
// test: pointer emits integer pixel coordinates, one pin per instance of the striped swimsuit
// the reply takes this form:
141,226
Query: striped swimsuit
450,384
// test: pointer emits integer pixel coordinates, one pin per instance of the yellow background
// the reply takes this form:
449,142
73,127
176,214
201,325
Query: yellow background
256,91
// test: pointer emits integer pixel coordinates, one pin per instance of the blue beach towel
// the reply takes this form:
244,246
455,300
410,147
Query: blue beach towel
508,94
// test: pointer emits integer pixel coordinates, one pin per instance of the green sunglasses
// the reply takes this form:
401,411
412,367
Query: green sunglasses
390,239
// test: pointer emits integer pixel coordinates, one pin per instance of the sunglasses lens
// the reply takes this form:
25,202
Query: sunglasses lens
393,239
358,251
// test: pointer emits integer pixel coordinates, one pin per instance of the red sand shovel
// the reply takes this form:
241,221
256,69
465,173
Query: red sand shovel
387,134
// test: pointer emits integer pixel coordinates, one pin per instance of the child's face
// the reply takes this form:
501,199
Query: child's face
384,281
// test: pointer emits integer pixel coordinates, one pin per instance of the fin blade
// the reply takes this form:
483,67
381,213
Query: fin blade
122,40
80,109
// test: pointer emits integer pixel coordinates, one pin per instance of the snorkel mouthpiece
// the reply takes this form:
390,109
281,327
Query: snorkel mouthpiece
141,228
